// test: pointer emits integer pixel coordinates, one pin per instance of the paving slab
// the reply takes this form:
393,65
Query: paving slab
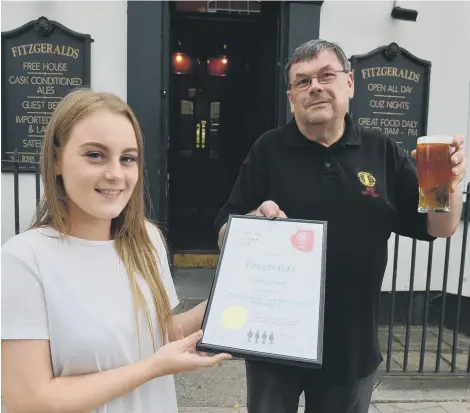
194,283
222,386
405,389
452,407
409,407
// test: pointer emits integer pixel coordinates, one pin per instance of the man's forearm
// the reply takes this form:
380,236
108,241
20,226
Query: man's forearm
190,321
443,225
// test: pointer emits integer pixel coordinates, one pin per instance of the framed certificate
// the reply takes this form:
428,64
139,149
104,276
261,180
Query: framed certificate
267,297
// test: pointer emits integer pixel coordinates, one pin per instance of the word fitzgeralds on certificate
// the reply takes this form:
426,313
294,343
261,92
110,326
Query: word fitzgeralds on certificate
269,267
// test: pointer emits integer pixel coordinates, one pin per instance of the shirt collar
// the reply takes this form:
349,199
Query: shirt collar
351,135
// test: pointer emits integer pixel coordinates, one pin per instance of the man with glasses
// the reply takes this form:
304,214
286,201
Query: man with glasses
321,166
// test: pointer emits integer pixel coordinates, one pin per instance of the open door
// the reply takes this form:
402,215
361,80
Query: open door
223,95
200,115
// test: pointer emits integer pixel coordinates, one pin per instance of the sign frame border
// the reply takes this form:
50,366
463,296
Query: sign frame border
44,27
269,357
391,51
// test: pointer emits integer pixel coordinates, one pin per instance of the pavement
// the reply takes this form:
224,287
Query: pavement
428,407
222,389
224,386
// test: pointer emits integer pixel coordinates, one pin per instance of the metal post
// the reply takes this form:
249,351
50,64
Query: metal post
462,266
392,310
16,161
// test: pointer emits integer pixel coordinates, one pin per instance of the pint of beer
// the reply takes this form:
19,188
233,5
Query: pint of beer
434,173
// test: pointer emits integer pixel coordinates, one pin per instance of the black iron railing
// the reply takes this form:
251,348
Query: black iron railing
15,165
459,338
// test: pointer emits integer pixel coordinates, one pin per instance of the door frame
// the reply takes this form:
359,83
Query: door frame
148,82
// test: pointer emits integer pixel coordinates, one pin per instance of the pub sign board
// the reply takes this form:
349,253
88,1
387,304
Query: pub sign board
42,61
392,93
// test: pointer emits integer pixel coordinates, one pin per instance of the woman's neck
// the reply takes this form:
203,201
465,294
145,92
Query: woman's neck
83,225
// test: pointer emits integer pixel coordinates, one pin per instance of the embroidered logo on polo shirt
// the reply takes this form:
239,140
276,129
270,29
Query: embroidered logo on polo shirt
368,180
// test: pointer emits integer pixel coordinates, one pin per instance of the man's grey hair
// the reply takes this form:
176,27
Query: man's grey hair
311,49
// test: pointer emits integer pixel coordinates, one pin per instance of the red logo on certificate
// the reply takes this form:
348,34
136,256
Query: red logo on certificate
302,240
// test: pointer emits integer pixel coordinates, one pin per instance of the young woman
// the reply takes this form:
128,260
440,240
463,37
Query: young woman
87,295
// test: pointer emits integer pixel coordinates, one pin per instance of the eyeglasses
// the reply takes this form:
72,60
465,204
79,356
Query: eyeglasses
324,78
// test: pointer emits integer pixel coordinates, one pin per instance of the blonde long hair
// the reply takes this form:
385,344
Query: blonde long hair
129,229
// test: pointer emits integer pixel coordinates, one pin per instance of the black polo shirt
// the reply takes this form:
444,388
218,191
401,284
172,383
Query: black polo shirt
365,186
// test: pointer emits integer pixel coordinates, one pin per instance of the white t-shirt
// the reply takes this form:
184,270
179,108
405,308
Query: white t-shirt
76,294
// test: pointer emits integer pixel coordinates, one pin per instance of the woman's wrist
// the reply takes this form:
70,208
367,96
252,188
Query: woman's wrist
158,366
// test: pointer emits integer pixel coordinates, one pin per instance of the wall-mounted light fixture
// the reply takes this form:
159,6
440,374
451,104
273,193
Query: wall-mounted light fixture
217,66
182,64
400,13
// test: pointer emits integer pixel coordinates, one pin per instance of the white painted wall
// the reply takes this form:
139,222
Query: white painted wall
441,35
106,22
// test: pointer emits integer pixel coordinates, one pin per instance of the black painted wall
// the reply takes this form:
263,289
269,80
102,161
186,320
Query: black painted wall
303,25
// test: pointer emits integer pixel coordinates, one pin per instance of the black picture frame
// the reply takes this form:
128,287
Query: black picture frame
259,355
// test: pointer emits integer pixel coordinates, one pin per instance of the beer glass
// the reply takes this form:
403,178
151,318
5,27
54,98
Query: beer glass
434,173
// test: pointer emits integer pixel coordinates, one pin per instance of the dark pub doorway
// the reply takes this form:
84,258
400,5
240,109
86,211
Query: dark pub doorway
223,95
